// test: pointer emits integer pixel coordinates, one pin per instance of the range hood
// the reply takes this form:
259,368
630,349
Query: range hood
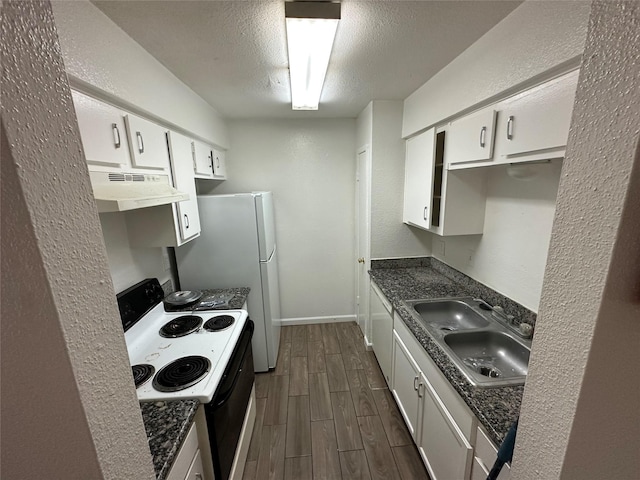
118,192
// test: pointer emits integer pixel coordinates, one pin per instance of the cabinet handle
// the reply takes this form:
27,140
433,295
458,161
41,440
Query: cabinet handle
420,394
140,142
186,221
211,160
415,382
510,128
116,135
424,213
483,134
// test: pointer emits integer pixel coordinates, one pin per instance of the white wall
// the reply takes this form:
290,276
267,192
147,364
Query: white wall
69,406
533,39
389,236
580,416
310,167
511,254
98,52
129,265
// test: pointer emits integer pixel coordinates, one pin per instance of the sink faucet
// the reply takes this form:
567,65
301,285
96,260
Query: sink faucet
499,312
523,329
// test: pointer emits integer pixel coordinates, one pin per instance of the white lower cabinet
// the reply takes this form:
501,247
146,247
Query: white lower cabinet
485,456
443,447
380,314
406,380
442,425
188,463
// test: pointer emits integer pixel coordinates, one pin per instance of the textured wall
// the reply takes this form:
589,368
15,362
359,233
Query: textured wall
98,52
309,165
511,254
389,236
75,413
580,416
535,37
129,265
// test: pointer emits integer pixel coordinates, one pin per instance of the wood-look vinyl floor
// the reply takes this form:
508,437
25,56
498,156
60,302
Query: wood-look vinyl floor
325,413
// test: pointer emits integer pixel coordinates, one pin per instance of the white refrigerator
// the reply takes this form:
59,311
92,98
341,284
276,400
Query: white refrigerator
237,248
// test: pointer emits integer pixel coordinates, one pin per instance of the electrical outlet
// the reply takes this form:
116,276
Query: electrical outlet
166,264
439,248
471,257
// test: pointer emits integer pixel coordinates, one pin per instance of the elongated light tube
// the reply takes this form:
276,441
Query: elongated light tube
309,41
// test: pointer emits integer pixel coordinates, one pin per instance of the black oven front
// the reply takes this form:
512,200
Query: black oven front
225,413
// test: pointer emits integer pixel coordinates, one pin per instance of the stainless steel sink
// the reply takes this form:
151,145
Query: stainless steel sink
490,354
485,348
448,314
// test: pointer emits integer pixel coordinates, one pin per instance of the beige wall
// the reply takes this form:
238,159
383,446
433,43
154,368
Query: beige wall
580,416
69,408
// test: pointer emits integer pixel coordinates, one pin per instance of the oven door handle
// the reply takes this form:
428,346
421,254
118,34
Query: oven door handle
220,398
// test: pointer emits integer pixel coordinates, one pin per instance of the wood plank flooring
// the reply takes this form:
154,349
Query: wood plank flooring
325,413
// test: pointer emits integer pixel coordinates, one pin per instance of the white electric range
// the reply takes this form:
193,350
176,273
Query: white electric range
183,355
195,354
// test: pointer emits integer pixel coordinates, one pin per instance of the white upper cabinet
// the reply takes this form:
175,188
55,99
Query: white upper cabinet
208,162
538,120
470,139
219,165
530,126
441,201
418,178
188,219
102,131
202,160
147,143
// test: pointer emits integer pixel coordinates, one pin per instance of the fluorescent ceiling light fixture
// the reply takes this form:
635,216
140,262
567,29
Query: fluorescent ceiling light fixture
311,29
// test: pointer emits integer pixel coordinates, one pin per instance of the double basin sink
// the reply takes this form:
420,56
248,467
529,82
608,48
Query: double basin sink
481,342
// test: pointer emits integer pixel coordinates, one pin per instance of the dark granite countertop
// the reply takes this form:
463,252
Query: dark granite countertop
167,425
496,408
240,295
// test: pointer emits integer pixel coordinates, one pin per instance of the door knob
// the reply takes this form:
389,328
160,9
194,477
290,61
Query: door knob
361,260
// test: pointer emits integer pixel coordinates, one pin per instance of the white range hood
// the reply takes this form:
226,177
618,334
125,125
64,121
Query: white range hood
118,192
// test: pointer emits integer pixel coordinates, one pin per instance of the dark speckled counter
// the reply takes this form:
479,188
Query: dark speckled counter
167,425
496,408
240,295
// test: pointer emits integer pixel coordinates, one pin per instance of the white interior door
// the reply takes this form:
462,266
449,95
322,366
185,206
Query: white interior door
363,229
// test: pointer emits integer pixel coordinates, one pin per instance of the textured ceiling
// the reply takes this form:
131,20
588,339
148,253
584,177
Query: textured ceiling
233,53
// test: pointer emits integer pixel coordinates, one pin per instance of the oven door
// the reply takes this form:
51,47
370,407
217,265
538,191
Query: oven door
225,414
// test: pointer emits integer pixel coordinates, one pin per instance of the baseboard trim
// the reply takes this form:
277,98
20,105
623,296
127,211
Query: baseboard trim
367,344
312,320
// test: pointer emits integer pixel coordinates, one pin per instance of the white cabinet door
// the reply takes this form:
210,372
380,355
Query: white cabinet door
441,444
470,139
102,131
537,119
147,142
196,470
182,169
406,378
418,180
381,331
202,160
219,165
